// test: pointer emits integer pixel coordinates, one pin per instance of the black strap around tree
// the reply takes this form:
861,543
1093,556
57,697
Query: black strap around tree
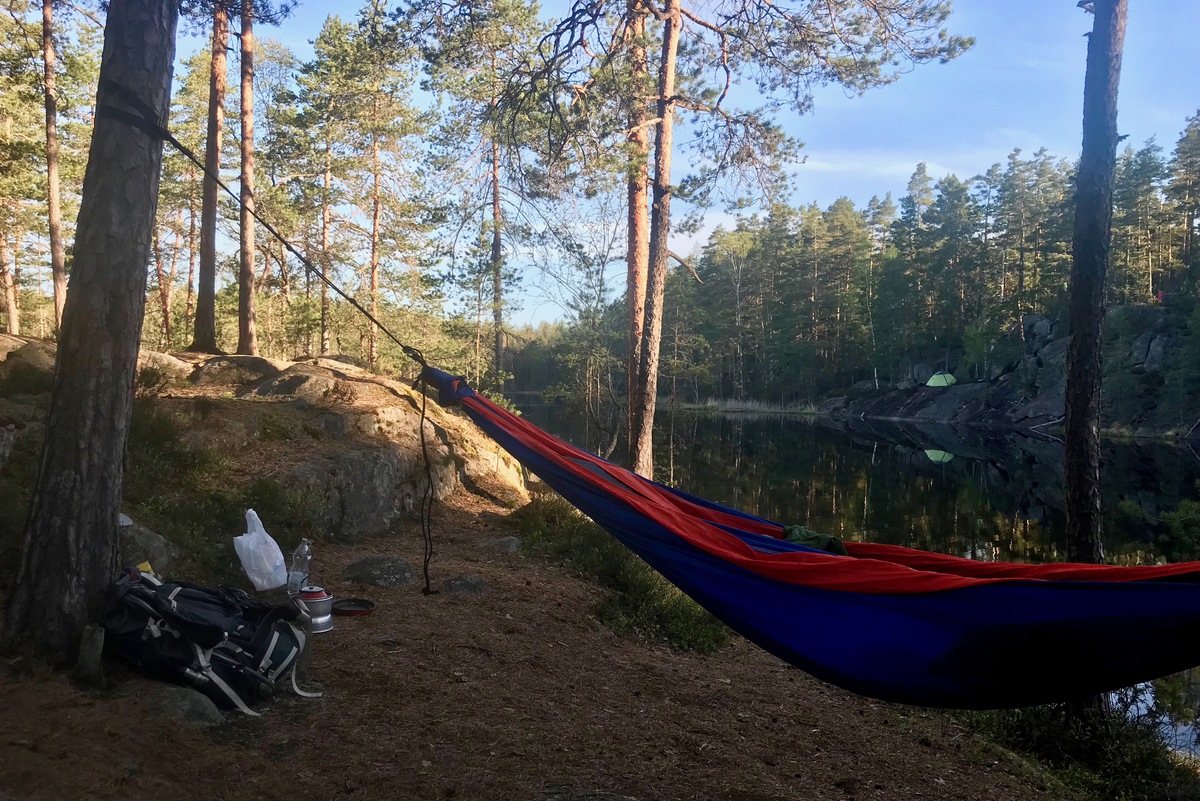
146,120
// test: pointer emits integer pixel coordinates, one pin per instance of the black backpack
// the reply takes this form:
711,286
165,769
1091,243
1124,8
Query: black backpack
218,640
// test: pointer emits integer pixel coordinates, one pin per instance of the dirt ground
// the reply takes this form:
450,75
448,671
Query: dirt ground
516,693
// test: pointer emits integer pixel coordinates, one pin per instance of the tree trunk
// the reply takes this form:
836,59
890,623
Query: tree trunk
58,264
660,231
164,296
8,283
69,557
637,255
325,201
191,244
1093,231
204,337
247,335
497,262
376,208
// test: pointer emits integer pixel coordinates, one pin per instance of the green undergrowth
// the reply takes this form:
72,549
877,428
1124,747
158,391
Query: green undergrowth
183,492
1097,755
24,379
637,600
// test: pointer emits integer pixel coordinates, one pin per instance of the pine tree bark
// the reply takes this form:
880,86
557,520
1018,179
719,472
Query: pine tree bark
58,262
376,213
325,210
8,284
68,558
191,244
1093,233
660,231
247,333
164,297
204,337
497,264
637,255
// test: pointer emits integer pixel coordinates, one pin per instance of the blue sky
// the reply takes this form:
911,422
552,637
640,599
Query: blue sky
1021,85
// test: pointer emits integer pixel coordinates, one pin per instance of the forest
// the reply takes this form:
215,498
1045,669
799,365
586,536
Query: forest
358,158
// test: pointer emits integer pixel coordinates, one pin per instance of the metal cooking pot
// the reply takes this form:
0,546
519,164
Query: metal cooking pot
320,608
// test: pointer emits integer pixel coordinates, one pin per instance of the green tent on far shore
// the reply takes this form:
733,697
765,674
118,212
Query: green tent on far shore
941,379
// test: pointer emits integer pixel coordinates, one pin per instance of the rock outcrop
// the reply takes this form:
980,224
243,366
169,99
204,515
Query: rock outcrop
347,440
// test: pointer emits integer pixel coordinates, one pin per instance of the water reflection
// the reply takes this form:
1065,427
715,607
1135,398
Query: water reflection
982,494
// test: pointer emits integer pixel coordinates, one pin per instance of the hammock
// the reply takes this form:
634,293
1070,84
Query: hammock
888,622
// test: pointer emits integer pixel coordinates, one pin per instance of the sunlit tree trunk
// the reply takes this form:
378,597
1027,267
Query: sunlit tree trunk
8,284
191,245
69,555
325,210
1093,233
376,211
204,337
497,264
637,254
660,230
247,334
164,296
58,263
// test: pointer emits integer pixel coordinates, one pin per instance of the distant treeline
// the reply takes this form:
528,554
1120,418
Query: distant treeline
796,303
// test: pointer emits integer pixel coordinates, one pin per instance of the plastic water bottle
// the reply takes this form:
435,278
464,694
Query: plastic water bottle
298,574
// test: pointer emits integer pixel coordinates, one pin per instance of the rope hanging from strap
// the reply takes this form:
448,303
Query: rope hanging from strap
145,119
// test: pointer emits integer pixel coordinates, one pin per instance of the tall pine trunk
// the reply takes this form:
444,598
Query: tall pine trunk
376,209
637,254
58,263
204,336
1093,234
247,335
660,231
69,555
497,265
8,285
325,203
164,296
191,244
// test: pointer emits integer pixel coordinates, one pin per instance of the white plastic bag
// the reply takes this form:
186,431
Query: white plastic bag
260,555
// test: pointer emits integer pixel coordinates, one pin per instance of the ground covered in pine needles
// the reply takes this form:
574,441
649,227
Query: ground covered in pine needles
514,693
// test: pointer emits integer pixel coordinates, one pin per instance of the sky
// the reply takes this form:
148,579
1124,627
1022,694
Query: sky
1021,85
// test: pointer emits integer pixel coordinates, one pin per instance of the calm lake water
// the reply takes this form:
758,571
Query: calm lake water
988,495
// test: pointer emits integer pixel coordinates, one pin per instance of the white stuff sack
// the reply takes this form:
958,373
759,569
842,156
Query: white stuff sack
260,555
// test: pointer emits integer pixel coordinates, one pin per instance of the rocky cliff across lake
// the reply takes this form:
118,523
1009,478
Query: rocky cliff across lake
1145,393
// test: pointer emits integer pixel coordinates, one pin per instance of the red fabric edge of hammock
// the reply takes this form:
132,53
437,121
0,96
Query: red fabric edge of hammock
873,569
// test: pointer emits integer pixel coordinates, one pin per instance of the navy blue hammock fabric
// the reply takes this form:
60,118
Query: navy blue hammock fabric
888,622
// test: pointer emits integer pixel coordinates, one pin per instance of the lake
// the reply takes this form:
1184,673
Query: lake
982,494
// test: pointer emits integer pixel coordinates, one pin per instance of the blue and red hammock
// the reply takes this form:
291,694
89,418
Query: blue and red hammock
885,621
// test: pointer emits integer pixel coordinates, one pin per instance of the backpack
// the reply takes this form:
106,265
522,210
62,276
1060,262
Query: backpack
217,640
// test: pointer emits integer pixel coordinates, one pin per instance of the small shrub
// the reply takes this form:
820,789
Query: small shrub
639,600
1102,754
151,382
25,379
342,393
273,428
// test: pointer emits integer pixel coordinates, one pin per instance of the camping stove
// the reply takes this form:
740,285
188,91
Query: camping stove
320,607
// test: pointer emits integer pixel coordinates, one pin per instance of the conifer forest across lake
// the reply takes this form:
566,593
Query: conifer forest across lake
985,494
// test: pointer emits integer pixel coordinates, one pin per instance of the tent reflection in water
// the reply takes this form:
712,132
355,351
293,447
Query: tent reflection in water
938,457
893,623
